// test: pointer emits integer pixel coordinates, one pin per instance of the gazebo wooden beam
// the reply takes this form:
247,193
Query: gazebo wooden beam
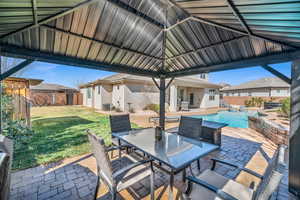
277,73
243,63
15,69
205,21
239,16
14,51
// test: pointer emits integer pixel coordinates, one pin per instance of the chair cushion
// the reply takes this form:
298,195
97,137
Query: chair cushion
229,186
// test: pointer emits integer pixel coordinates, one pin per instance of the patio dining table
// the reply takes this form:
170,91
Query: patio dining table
174,151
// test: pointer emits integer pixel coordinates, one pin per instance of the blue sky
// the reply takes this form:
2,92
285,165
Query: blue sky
72,76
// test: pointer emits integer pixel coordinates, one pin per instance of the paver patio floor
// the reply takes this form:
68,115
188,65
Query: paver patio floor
75,178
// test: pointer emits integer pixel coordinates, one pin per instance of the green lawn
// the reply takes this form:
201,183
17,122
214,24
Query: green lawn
59,132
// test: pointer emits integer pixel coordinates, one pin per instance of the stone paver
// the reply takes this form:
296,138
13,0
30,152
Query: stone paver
75,179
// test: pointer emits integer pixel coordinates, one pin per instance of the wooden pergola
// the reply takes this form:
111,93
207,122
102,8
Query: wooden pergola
161,39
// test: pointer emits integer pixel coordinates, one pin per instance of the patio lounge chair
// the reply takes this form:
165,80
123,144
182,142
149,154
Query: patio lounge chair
211,186
123,178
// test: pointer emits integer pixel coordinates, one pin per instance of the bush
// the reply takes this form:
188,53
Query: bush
131,110
13,129
286,107
153,107
118,109
254,102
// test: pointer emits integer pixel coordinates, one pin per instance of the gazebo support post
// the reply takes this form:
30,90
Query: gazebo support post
1,124
294,150
162,99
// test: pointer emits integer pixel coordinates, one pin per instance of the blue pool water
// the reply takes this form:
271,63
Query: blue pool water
233,119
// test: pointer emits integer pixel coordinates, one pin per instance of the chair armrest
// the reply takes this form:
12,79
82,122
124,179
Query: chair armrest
210,187
121,147
249,171
215,160
131,166
136,129
172,130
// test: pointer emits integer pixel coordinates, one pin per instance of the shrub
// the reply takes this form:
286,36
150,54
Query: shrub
14,129
286,107
131,110
254,102
153,107
118,109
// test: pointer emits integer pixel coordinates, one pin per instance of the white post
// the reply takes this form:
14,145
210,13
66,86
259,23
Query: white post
173,98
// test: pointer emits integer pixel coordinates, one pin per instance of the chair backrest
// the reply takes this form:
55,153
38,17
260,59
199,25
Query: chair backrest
6,146
4,176
103,163
190,127
119,123
272,176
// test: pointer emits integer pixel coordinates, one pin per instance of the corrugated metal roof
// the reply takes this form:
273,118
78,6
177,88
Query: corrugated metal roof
153,36
268,82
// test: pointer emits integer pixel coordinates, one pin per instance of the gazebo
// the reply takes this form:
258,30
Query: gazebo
161,39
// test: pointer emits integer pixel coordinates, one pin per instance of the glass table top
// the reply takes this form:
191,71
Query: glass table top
173,150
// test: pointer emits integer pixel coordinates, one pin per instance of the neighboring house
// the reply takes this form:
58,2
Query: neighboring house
266,88
46,94
19,89
127,92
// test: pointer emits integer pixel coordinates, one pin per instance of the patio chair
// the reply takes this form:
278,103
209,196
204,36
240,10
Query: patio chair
123,178
119,123
211,186
6,146
4,175
189,127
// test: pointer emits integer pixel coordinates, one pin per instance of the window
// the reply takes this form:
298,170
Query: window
89,93
212,94
249,94
192,99
118,87
278,91
203,76
99,89
181,93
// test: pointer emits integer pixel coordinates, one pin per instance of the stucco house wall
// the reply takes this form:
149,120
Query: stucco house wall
259,92
86,101
209,103
97,97
280,92
118,96
138,92
140,96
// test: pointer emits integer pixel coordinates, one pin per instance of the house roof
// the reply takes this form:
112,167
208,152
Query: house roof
268,82
51,86
189,81
152,37
31,81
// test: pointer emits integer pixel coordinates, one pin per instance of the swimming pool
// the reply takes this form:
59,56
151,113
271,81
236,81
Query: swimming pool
233,119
